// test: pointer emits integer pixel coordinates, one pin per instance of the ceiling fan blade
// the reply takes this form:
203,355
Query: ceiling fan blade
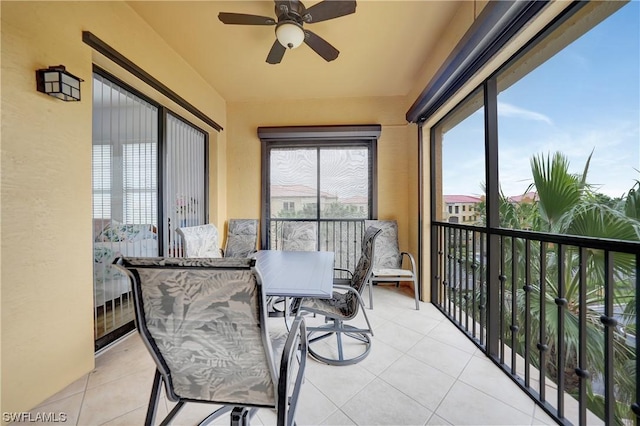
244,19
320,46
276,53
329,9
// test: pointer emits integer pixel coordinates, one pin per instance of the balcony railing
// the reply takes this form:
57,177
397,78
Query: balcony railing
557,313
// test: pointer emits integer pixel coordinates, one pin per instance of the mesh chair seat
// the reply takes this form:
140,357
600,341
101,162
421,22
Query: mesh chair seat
390,272
341,305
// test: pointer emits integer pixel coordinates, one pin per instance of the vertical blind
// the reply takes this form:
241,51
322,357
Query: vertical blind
185,180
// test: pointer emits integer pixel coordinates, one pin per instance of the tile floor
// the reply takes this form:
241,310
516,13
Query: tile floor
421,371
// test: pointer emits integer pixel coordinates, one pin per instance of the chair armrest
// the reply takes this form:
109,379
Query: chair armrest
288,398
411,260
343,270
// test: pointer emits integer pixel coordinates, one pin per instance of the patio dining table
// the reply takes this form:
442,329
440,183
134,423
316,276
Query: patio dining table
296,273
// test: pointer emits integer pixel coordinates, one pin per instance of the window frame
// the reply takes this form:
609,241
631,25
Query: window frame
315,137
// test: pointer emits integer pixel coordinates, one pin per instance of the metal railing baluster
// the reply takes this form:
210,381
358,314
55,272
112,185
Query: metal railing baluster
514,302
609,321
542,344
581,369
561,302
527,308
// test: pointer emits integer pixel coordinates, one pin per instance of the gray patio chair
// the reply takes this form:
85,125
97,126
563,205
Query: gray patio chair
296,236
204,324
387,264
242,238
200,241
299,236
343,306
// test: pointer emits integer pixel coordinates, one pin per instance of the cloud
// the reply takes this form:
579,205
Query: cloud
508,110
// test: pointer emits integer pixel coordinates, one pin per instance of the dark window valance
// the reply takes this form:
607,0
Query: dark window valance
339,132
498,23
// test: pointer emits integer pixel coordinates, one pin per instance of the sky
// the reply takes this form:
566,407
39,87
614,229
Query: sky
584,99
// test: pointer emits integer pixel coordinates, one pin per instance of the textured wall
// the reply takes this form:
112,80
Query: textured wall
46,227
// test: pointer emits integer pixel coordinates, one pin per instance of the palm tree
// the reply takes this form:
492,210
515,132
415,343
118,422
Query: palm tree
566,205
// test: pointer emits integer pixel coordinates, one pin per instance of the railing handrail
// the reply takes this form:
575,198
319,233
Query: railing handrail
622,246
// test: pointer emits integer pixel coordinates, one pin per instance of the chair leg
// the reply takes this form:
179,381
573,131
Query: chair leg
153,400
172,413
415,294
240,416
370,284
339,328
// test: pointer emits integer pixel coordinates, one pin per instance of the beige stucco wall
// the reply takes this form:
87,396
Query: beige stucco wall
395,151
45,187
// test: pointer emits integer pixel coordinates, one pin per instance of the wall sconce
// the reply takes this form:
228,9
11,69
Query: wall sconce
57,82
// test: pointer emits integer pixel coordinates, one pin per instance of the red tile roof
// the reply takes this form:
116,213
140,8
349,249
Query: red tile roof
297,191
528,197
451,199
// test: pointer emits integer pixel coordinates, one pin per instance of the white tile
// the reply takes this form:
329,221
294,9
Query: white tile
436,420
397,336
123,360
138,416
425,384
448,333
465,405
441,356
338,418
416,321
381,357
483,375
540,417
79,386
381,404
338,383
314,406
65,411
116,398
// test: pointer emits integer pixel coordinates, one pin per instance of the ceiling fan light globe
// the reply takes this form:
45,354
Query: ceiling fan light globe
289,35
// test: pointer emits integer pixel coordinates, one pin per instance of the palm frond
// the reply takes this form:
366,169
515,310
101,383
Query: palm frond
558,190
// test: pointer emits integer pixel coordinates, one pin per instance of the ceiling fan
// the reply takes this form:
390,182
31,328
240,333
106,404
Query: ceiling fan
291,16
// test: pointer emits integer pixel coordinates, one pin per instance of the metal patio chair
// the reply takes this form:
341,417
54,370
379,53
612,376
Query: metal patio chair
204,324
242,238
299,236
200,241
342,307
387,264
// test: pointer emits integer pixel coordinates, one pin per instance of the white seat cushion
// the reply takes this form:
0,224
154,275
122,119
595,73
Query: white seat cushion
388,272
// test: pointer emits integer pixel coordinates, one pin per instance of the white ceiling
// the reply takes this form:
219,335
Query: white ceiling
382,47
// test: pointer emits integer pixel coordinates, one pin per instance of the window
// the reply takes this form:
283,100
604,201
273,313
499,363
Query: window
572,104
460,139
329,172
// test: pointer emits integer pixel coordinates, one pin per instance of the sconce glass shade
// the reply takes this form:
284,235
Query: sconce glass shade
59,83
289,34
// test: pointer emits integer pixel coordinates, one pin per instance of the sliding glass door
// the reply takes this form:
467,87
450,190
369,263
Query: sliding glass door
137,146
125,188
